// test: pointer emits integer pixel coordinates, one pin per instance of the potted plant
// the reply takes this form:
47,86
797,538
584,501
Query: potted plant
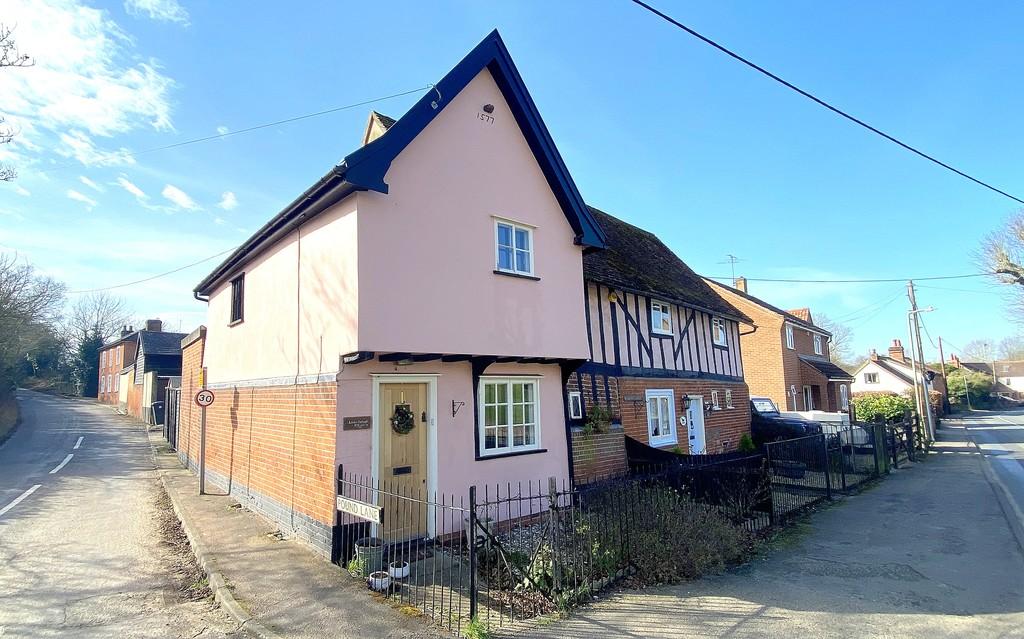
369,555
379,580
398,569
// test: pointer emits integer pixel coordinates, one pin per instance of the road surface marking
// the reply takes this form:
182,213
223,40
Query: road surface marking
17,501
79,442
62,464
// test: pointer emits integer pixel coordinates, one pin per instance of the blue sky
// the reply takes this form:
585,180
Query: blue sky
656,127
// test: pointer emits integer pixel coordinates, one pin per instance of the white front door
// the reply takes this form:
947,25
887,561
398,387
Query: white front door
695,425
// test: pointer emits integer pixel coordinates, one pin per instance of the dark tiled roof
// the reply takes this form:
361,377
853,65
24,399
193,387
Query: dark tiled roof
895,370
636,260
826,368
130,337
1015,367
161,343
775,309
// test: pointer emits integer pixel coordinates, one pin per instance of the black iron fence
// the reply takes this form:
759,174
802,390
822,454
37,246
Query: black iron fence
501,554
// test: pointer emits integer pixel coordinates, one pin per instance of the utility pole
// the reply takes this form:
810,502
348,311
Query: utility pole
942,360
917,353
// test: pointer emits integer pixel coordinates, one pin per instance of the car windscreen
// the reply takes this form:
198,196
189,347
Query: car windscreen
764,405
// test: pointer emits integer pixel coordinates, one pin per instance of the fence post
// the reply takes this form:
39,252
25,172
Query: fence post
908,435
842,456
828,471
556,572
472,553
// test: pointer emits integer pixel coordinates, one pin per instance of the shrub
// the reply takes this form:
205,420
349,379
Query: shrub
961,381
881,406
599,419
746,444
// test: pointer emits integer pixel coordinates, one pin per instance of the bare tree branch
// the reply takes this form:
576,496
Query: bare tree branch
10,56
1002,253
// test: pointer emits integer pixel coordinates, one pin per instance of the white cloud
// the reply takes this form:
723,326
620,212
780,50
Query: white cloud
80,146
162,10
228,201
223,130
219,221
125,184
87,75
84,199
22,191
179,198
89,183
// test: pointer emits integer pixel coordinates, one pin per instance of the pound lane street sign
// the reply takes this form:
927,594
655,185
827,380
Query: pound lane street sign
204,398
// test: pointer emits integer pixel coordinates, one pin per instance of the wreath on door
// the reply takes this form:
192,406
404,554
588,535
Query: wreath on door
403,421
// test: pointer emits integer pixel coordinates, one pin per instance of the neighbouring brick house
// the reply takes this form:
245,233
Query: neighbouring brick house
664,355
787,357
412,317
114,356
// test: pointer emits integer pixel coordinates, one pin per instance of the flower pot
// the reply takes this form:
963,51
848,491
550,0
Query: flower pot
379,581
398,569
369,555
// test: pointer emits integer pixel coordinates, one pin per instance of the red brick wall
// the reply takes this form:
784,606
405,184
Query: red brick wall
278,441
723,428
598,455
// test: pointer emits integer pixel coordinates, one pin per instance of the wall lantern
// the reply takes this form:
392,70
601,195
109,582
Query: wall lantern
612,297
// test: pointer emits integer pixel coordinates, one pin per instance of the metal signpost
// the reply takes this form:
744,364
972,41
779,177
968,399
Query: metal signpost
203,399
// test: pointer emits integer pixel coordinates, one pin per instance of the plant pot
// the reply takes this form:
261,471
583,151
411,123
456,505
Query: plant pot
379,581
398,569
370,555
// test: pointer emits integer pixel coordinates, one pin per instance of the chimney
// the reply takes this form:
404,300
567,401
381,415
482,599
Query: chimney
126,330
154,325
896,351
954,360
740,284
874,355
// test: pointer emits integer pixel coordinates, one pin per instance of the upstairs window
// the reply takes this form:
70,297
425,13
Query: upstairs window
103,358
817,344
237,298
789,337
514,248
661,318
870,378
718,333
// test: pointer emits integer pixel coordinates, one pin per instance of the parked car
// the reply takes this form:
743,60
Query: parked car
767,424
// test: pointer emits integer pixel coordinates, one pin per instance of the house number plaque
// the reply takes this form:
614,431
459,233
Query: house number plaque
363,422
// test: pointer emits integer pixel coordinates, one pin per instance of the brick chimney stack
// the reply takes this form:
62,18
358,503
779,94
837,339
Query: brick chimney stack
874,355
896,351
126,330
154,325
954,360
740,284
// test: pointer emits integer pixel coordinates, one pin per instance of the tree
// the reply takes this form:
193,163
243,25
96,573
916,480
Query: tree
1012,348
94,319
29,305
962,382
10,56
87,362
977,350
840,349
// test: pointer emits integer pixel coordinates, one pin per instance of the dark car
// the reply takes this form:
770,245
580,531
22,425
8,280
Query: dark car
768,425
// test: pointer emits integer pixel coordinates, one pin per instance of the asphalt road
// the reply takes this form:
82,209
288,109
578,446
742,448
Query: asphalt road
1000,436
81,550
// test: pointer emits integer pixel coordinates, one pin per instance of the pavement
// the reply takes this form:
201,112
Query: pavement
928,553
83,547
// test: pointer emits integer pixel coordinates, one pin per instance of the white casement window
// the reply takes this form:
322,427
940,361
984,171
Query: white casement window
102,386
789,337
817,344
575,405
117,383
661,417
728,398
110,384
714,401
844,397
661,318
513,248
870,378
509,415
718,332
103,359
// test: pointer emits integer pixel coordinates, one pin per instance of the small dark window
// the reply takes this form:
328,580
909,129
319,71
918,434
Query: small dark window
237,298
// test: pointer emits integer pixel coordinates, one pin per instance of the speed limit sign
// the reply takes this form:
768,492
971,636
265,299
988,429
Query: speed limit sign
204,398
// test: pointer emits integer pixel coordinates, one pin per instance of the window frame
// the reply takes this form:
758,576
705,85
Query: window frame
498,222
807,393
818,345
661,393
844,397
790,337
510,448
575,410
873,379
728,398
664,313
103,378
117,383
237,300
718,328
715,405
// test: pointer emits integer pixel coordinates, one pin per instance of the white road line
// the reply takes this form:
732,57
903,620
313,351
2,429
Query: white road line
62,464
21,497
79,442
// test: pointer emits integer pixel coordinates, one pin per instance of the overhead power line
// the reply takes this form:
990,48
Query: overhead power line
152,277
858,281
256,127
821,102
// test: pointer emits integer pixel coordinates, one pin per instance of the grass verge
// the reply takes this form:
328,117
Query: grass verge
8,416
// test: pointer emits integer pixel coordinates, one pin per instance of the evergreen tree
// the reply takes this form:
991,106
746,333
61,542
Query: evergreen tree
87,364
